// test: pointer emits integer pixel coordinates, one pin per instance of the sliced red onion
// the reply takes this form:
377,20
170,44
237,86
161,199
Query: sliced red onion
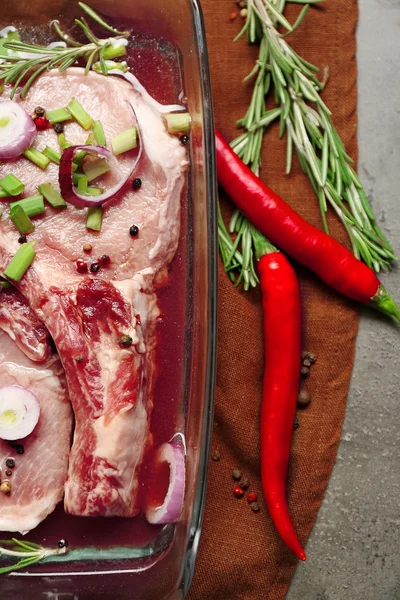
19,412
17,129
170,510
68,191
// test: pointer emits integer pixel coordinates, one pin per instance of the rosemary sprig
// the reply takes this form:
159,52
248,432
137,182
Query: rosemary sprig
29,553
309,129
25,62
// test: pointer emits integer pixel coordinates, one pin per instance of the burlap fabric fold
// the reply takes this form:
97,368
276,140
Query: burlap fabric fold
240,556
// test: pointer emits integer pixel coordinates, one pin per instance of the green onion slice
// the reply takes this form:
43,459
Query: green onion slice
21,261
125,141
34,205
12,185
21,220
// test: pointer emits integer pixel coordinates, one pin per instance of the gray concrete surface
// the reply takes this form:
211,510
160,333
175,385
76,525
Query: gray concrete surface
353,552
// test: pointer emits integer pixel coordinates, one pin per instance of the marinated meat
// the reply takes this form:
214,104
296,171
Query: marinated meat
37,480
109,380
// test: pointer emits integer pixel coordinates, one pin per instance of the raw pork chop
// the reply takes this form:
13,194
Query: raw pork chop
38,477
110,386
23,327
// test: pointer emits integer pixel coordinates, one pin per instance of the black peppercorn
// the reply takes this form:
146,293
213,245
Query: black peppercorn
8,473
236,474
303,399
94,267
58,127
133,230
19,449
136,183
126,341
105,259
305,371
245,484
10,463
39,111
22,239
255,507
184,139
215,456
63,544
296,424
78,359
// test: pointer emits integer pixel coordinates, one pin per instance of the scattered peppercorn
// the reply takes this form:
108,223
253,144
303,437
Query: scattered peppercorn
126,341
95,267
236,474
215,456
79,358
133,230
255,507
87,247
232,15
8,473
238,491
104,259
243,13
81,266
184,140
305,371
10,463
19,449
5,487
304,355
296,423
252,497
303,399
312,358
63,544
41,123
245,484
39,111
22,239
307,362
241,3
136,183
58,127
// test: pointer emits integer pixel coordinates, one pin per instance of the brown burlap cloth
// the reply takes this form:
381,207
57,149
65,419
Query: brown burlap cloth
241,556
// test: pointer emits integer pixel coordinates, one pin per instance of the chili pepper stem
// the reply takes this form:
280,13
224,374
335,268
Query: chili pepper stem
262,246
383,302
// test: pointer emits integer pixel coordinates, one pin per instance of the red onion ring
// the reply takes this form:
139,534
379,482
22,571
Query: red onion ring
68,191
173,454
17,131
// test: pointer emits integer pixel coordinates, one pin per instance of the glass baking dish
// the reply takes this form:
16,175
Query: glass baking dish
162,569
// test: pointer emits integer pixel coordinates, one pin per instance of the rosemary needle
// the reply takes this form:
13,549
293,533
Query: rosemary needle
16,68
306,122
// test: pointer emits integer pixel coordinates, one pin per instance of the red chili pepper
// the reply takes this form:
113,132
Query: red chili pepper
282,336
331,261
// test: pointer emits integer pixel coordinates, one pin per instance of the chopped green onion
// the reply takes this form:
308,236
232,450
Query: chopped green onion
95,168
1,91
5,284
83,184
52,196
59,115
111,65
37,157
78,159
98,132
79,113
122,142
91,140
12,185
113,51
34,205
94,191
94,218
177,122
63,142
76,177
21,220
53,155
21,261
3,193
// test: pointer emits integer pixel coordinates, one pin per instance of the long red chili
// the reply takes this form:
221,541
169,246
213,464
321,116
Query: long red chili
331,261
282,339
